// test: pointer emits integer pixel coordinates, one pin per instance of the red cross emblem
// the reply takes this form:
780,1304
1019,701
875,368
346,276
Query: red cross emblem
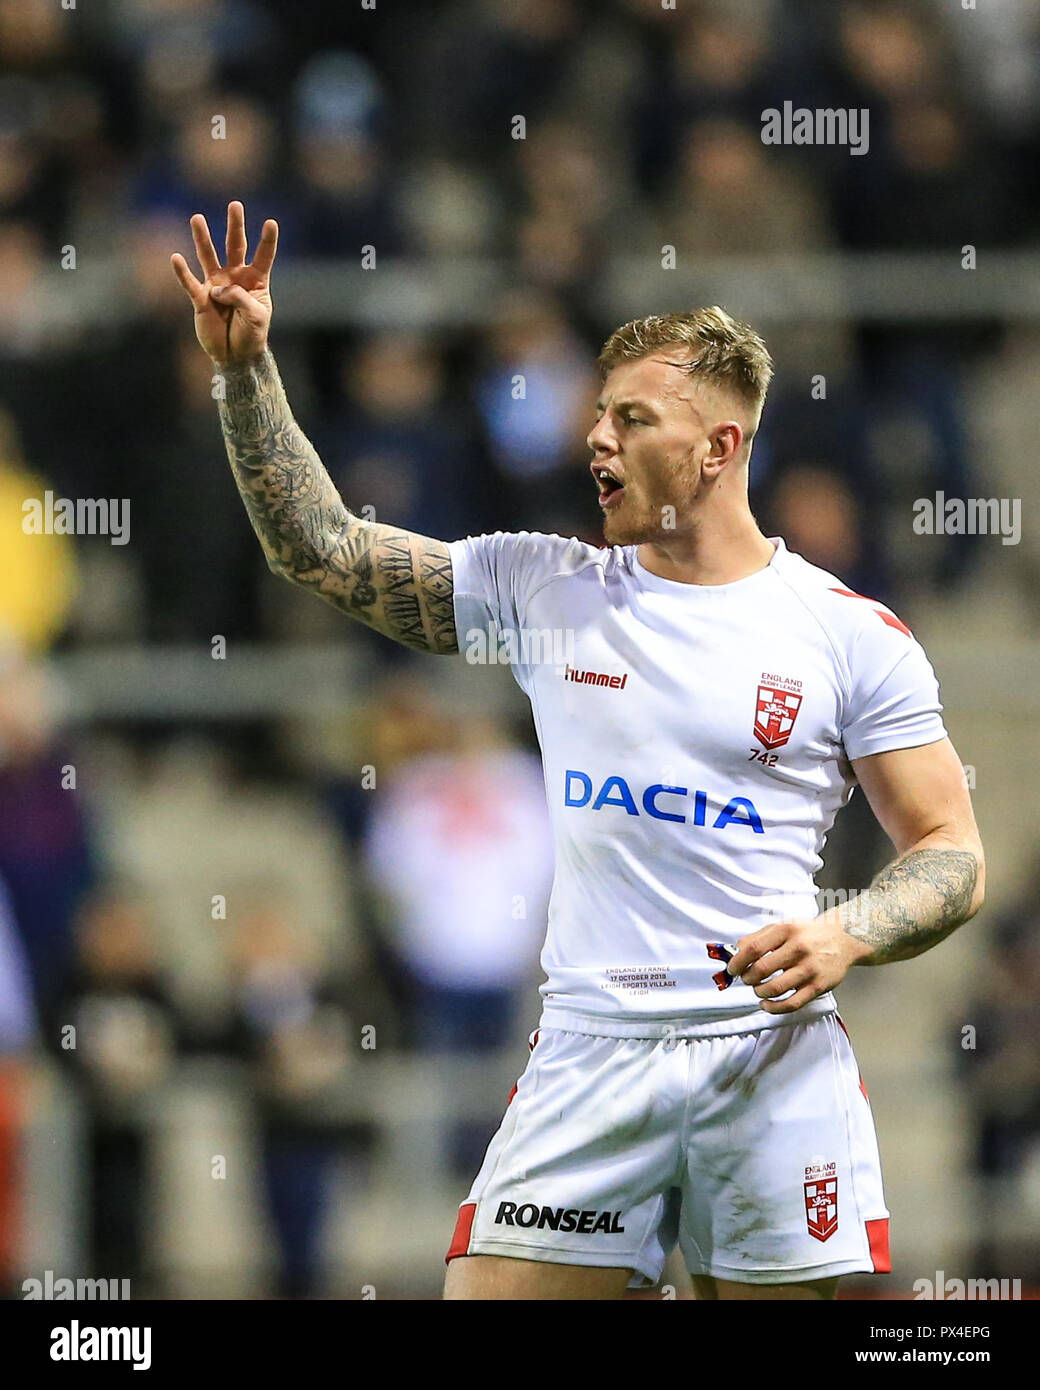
775,714
821,1207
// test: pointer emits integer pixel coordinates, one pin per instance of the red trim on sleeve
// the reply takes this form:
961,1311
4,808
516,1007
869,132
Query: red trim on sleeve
460,1240
877,1235
883,613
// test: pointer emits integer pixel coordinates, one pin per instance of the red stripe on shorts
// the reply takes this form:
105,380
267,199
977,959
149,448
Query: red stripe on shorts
877,1235
531,1047
848,1035
460,1240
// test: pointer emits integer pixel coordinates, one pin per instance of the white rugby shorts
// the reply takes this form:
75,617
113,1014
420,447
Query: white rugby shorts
755,1152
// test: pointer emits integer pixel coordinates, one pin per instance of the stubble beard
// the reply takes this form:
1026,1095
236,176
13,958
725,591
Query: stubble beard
647,523
634,529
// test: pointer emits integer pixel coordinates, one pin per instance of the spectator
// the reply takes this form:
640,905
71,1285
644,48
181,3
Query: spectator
17,1036
220,141
45,856
342,161
289,1024
1000,1071
721,65
396,444
125,1038
38,579
536,393
458,847
723,165
819,517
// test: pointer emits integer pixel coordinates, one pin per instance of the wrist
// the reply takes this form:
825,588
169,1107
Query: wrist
851,945
240,365
854,919
858,952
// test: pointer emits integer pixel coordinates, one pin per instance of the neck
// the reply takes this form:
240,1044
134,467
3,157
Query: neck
710,554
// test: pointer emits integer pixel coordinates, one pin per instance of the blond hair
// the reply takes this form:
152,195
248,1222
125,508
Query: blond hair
725,352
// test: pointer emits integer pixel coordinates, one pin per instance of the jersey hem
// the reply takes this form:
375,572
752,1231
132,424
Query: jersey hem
686,1026
893,743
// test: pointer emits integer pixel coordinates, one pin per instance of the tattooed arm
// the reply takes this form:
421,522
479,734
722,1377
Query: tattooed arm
920,797
936,883
397,582
913,904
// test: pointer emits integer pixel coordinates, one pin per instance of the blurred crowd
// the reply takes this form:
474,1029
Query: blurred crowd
451,866
393,128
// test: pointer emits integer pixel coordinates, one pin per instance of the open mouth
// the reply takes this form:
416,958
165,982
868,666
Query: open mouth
610,487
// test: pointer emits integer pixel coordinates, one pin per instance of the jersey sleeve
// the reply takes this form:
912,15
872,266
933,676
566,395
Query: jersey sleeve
494,577
894,700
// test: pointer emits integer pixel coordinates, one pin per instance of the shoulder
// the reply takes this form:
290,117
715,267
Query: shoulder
530,558
843,614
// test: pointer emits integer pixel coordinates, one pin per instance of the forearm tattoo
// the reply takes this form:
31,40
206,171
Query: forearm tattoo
397,582
913,904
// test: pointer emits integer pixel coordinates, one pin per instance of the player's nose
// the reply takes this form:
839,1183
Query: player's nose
599,439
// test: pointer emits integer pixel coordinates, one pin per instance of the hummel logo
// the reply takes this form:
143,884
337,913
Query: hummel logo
594,678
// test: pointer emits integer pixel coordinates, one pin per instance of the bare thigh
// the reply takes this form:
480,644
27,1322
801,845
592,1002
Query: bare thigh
501,1276
725,1290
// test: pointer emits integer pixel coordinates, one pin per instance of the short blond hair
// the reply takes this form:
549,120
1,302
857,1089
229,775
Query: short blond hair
725,352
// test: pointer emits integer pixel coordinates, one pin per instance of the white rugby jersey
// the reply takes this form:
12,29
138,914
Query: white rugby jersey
695,744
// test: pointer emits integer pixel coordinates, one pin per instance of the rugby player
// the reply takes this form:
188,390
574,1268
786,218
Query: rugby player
691,1082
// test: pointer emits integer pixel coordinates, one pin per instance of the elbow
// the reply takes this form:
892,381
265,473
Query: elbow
978,887
968,883
978,896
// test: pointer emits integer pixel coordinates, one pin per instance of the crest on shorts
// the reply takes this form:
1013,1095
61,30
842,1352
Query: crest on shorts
821,1200
779,701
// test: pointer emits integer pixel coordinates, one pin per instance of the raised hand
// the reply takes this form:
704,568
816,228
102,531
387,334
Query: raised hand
233,302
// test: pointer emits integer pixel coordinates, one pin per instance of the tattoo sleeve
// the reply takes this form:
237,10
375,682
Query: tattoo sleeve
397,582
913,903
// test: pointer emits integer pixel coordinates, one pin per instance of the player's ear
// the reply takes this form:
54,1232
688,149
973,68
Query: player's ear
724,445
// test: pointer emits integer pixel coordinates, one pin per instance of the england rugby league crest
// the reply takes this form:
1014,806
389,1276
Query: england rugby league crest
821,1200
779,701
